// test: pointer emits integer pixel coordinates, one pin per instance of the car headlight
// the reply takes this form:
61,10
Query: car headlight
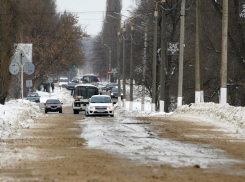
112,94
48,106
110,108
91,107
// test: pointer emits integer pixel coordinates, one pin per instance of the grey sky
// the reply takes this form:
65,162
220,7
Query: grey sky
90,12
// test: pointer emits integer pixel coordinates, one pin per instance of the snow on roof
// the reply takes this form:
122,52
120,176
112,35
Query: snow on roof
85,85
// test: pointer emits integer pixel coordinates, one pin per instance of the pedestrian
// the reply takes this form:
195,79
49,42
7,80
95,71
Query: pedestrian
45,87
52,85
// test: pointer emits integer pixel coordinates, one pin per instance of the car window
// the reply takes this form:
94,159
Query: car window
63,80
71,84
100,100
53,102
33,95
115,90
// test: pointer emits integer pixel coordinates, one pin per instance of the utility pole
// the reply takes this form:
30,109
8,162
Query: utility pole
118,67
131,67
109,61
110,65
153,103
197,65
181,53
143,81
163,58
124,66
223,90
22,76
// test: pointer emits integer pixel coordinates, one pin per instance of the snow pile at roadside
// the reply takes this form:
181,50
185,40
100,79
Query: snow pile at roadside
15,115
136,111
224,115
62,94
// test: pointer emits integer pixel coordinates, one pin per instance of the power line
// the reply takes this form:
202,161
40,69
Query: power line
61,12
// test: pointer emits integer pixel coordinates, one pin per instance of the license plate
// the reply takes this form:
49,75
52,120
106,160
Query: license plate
101,111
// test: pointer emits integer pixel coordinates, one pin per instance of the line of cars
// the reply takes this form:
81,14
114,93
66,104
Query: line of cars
86,96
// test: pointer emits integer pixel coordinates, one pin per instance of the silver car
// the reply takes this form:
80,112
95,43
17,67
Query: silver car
100,105
33,96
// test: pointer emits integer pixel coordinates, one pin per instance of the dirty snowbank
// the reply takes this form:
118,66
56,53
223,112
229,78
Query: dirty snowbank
15,115
223,115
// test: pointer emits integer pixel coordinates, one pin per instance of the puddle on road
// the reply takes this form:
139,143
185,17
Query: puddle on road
135,141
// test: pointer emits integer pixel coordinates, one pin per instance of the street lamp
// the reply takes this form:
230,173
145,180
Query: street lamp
153,103
118,62
131,60
109,80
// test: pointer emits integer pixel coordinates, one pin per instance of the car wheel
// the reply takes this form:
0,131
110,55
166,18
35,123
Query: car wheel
75,111
112,115
60,111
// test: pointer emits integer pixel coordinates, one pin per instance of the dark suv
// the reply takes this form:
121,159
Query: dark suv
53,105
114,93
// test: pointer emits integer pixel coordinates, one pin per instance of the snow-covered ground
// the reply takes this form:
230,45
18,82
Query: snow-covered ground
134,140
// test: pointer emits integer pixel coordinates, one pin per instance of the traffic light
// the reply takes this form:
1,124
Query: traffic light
74,66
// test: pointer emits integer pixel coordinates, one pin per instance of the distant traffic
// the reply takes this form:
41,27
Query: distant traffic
89,95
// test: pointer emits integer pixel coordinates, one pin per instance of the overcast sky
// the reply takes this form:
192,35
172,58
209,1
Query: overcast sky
90,12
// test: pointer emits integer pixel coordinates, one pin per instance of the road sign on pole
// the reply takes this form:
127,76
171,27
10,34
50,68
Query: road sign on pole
29,68
50,80
14,68
114,71
29,83
26,49
20,62
109,72
17,59
241,16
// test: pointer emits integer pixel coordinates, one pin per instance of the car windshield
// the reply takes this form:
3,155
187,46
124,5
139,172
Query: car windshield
63,79
33,95
85,92
100,100
53,102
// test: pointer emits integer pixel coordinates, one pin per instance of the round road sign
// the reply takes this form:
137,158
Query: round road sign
50,80
29,68
14,68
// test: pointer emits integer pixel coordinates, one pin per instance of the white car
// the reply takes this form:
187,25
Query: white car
100,105
63,81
